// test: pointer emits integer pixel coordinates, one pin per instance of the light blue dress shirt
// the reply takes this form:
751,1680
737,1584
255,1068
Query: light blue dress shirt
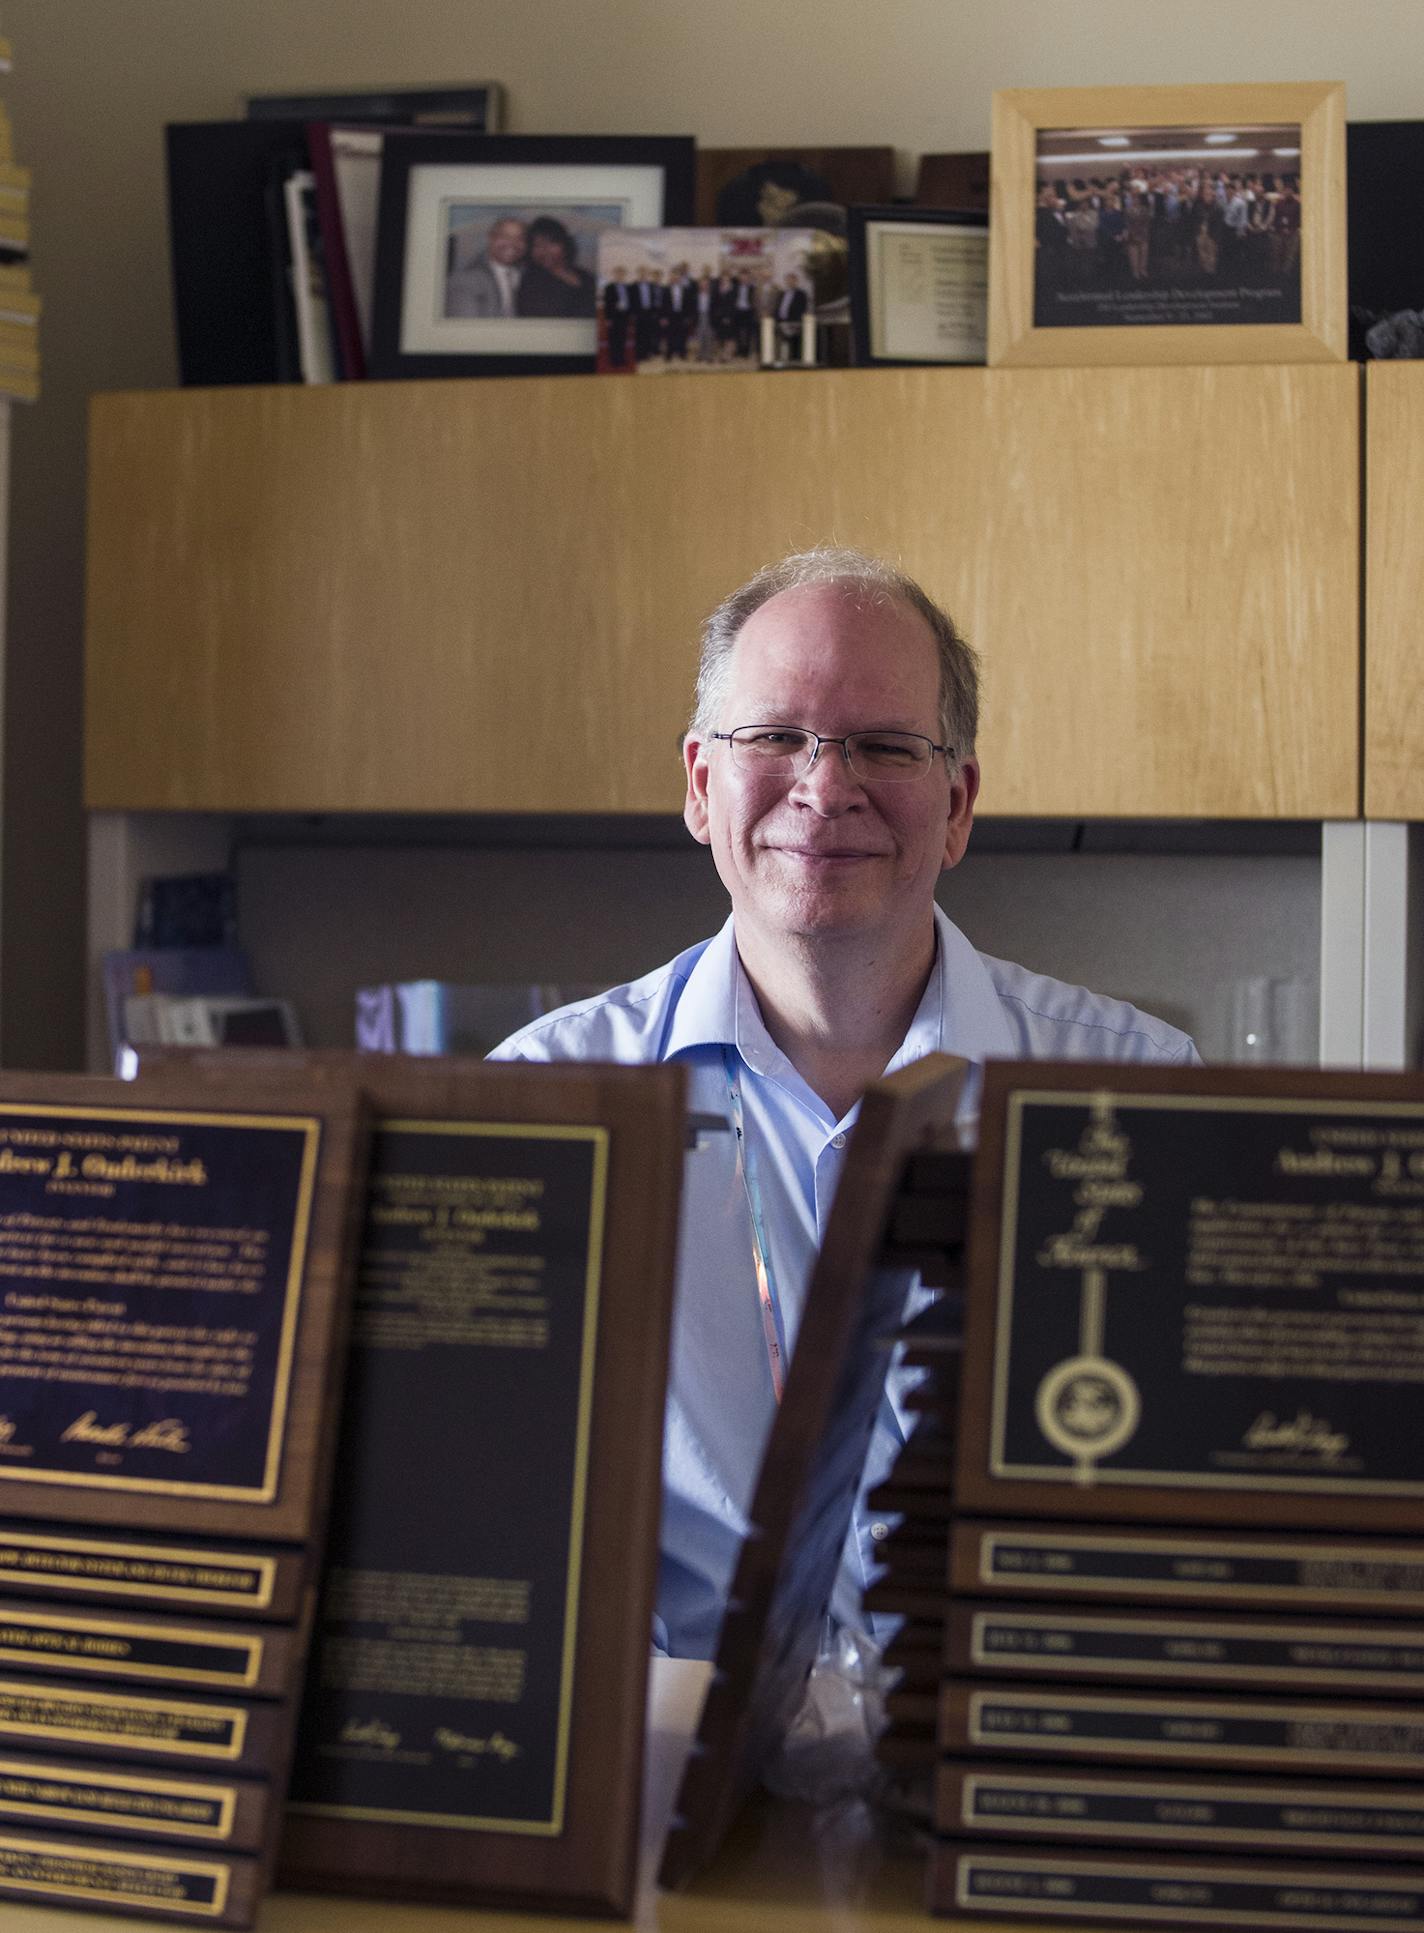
720,1400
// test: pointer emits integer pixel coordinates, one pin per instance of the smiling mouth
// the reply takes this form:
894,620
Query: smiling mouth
819,855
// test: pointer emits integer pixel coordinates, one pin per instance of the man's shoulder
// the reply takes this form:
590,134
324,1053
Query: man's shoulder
1053,1019
627,1023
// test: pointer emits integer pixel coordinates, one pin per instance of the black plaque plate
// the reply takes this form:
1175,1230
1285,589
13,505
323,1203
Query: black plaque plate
70,1565
1147,1890
1283,1735
151,1272
1185,1649
441,1677
1185,1567
1192,1291
162,1884
1308,1818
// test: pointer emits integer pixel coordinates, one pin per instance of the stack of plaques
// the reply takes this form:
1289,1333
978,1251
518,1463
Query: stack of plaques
1183,1614
171,1330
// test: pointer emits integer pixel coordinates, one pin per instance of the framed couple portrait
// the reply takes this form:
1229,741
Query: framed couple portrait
1168,225
487,245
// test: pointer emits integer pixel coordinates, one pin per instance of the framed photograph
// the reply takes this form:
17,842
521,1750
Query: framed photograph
1386,257
1168,225
696,299
919,285
486,245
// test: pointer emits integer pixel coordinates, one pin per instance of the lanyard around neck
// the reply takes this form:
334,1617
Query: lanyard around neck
761,1248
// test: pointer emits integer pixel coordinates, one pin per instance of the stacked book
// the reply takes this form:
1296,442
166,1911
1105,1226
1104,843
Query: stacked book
19,305
1163,1661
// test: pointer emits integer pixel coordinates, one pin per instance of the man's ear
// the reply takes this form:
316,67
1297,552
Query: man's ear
964,789
694,809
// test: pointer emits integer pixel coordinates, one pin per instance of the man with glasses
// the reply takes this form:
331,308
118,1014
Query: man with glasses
830,769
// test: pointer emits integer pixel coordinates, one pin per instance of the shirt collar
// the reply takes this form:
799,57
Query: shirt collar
959,1012
708,1004
971,1016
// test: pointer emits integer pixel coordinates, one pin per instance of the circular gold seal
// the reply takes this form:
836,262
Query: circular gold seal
1088,1407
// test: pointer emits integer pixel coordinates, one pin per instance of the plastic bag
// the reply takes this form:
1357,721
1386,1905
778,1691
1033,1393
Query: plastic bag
828,1753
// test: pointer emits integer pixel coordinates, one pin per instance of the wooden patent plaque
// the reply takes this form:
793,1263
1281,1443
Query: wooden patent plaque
1196,1295
474,1718
173,1309
1141,1889
812,1466
1304,1818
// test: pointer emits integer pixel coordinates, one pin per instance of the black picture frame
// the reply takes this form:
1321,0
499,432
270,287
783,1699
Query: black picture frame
1386,256
864,225
651,175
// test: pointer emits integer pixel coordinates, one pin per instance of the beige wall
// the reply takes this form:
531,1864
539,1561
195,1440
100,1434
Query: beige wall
97,79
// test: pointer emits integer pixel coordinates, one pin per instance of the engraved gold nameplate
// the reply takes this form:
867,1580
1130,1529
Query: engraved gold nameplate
117,1648
157,1572
60,1794
147,1882
158,1725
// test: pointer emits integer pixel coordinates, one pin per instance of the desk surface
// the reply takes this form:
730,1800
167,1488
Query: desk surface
784,1869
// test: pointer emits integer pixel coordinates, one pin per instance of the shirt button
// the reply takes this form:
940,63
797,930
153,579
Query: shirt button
838,1140
880,1532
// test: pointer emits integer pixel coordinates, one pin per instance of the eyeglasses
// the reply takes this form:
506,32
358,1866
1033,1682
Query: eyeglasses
787,751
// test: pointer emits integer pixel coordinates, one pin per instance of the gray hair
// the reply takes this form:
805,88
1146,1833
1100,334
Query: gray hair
868,580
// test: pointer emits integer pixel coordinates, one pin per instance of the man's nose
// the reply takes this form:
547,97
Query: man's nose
828,782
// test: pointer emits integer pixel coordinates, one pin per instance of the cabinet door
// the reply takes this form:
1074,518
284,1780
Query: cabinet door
484,596
1394,592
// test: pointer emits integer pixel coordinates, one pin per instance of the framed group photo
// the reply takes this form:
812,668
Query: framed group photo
703,300
919,285
1169,224
487,246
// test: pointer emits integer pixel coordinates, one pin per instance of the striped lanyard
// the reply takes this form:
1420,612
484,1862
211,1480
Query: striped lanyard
761,1248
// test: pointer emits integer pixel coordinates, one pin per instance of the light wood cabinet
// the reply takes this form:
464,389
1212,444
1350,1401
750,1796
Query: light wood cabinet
1394,591
484,596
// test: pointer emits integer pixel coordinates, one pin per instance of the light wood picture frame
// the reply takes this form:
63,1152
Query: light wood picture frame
1020,334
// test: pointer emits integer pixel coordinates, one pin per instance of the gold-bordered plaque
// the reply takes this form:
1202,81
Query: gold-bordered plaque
1187,1566
1206,1811
536,1187
61,1792
160,1652
99,1311
1187,1731
517,1268
1138,1891
161,1726
171,1270
93,1875
216,1580
1194,1296
1187,1649
1168,224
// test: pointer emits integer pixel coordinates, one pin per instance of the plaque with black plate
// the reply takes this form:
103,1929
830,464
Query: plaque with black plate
173,1309
1196,1295
473,1723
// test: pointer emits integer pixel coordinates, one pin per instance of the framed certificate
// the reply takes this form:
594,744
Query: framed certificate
919,281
